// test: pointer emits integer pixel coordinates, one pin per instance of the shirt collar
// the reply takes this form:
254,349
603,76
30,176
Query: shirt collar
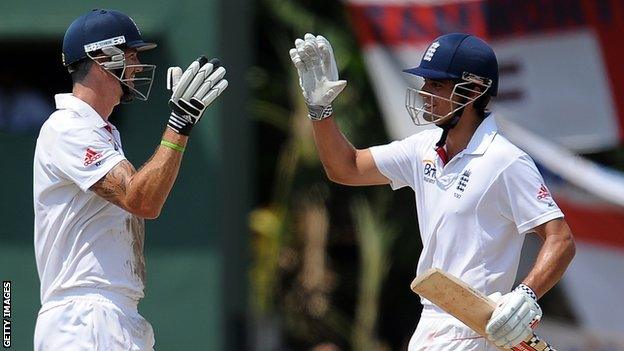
483,136
70,102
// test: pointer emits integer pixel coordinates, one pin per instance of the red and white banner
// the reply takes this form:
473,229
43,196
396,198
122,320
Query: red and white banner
560,60
592,199
561,84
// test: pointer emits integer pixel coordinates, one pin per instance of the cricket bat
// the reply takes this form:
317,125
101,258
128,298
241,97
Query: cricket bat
471,307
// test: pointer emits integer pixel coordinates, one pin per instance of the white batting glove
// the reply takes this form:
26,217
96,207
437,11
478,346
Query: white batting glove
516,315
318,74
193,91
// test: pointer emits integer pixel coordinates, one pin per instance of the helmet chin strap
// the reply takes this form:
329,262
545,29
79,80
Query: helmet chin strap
446,127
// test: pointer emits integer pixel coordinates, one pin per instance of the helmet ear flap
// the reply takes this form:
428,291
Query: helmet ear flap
117,58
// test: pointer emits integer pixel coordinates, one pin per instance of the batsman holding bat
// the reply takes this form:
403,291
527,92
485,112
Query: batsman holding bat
476,193
89,201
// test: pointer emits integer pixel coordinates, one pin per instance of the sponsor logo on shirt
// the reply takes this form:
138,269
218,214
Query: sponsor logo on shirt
544,195
543,192
429,171
91,156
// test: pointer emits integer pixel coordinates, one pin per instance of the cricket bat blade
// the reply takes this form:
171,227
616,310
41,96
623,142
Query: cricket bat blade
468,305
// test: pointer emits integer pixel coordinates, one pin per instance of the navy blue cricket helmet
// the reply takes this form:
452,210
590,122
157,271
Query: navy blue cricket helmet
100,28
101,35
450,56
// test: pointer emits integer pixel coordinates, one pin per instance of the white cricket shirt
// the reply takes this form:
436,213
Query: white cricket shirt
474,211
82,240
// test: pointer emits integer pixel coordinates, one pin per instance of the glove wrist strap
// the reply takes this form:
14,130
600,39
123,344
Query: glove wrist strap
180,124
527,289
317,113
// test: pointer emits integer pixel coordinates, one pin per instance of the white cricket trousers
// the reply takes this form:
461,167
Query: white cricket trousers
92,320
441,332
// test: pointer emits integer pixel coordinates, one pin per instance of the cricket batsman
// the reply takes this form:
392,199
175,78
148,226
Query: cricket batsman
477,194
89,201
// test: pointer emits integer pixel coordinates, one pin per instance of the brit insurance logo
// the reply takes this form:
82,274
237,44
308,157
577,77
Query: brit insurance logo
431,51
429,171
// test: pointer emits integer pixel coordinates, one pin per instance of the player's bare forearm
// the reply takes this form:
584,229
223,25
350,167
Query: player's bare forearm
335,151
143,192
150,186
344,163
554,256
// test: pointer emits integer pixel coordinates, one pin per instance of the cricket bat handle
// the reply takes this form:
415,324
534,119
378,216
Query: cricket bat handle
533,343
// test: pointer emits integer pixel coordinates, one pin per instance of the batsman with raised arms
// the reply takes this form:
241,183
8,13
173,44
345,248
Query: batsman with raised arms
477,194
89,201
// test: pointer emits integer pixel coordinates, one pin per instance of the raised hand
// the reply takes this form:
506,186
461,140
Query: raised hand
314,60
193,91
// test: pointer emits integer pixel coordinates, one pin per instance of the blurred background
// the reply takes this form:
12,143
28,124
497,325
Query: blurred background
255,248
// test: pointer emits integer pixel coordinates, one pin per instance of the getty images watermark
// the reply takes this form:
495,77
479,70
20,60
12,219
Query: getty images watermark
6,314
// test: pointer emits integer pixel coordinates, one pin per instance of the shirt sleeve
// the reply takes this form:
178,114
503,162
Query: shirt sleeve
84,156
525,199
395,161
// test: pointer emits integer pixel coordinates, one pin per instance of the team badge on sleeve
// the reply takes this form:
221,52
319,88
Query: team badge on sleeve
91,156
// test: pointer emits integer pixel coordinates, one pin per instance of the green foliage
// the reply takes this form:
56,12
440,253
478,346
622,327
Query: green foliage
301,217
375,239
